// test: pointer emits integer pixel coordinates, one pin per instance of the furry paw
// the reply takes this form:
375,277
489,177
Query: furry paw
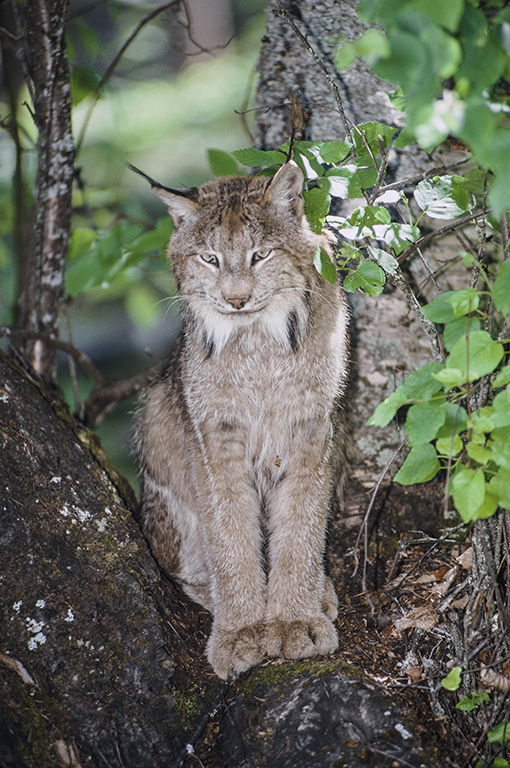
233,652
299,639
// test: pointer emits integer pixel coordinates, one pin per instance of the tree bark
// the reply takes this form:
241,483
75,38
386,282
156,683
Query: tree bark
95,650
42,273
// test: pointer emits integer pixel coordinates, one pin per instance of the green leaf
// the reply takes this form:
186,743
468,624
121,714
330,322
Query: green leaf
316,208
419,385
384,259
368,134
439,310
334,151
423,422
324,265
222,163
467,488
80,241
457,328
421,465
397,99
501,288
450,377
500,734
500,446
448,447
386,410
464,302
501,413
475,355
500,485
478,453
453,679
467,704
84,82
445,15
368,277
437,199
254,157
502,378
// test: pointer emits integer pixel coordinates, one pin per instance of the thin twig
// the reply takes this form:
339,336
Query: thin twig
437,232
109,72
364,525
347,123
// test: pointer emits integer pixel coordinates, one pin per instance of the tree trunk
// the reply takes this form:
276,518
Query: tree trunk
42,273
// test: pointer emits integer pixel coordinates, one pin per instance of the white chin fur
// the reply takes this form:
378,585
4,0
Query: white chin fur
271,321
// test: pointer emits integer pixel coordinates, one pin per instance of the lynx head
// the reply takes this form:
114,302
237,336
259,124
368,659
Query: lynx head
242,255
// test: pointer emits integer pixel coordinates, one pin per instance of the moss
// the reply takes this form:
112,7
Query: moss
186,703
271,675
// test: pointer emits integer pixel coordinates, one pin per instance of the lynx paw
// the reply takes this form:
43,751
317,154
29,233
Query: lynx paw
299,639
231,653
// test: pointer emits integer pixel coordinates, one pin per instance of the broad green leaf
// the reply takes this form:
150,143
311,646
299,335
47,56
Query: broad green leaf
501,413
368,277
467,704
448,447
384,259
500,446
80,241
395,235
445,15
421,465
464,302
254,157
475,355
423,422
334,151
457,328
436,198
368,134
478,453
386,410
500,485
439,310
222,163
450,377
501,288
453,679
397,99
500,734
502,378
324,265
456,420
467,488
316,208
84,82
489,505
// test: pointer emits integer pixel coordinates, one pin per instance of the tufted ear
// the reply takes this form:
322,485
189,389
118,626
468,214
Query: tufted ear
180,202
285,189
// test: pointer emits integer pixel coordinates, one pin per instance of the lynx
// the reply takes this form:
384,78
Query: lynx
240,440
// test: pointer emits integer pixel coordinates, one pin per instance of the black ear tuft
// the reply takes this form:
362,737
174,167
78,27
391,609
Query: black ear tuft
180,202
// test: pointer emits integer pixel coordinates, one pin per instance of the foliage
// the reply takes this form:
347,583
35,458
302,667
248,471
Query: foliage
451,61
458,409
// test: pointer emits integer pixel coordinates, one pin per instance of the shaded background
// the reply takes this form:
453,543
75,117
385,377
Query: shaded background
172,96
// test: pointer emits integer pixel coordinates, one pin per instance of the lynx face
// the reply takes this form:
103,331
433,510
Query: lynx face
241,439
239,264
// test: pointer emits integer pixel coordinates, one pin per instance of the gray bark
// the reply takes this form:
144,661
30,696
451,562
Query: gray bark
42,273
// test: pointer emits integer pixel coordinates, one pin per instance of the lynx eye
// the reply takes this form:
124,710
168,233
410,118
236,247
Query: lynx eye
261,255
209,258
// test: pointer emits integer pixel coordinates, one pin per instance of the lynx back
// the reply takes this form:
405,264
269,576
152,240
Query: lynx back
241,439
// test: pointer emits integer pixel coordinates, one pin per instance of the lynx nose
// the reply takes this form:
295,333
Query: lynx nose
237,302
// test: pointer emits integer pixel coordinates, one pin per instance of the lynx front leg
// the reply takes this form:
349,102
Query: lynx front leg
301,599
233,545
